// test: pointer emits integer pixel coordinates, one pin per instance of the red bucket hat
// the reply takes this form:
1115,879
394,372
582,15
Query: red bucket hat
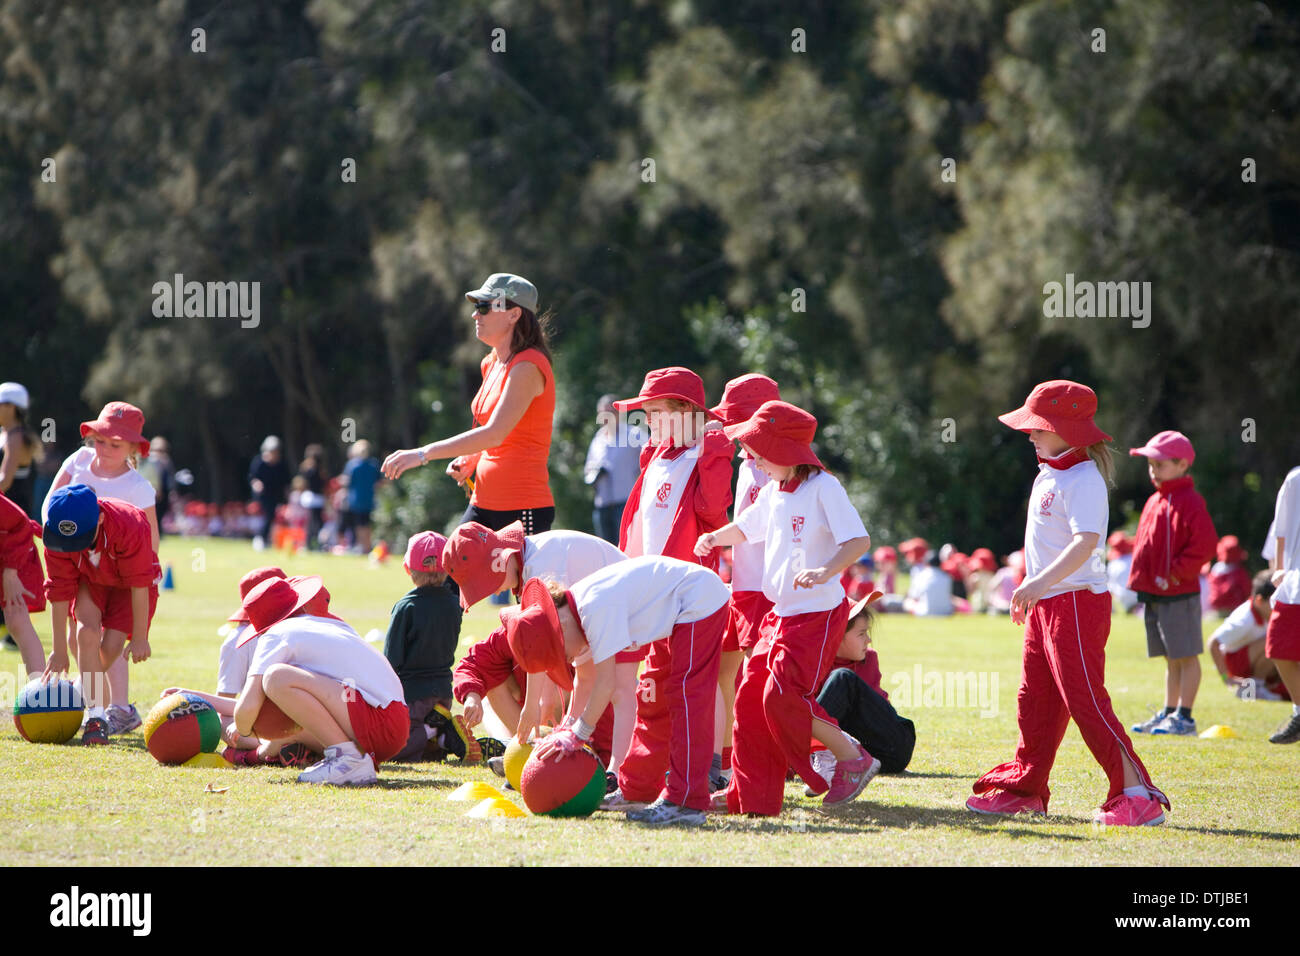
1059,406
276,599
1165,445
674,382
534,634
119,420
856,608
1229,550
249,581
884,553
475,556
318,605
983,559
742,396
780,433
1119,543
914,546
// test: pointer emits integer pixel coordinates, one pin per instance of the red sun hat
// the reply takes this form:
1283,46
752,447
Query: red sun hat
742,397
1119,544
780,433
917,546
1229,550
276,599
249,581
475,556
317,606
119,420
1059,406
884,553
422,547
983,559
534,634
673,382
856,608
1165,445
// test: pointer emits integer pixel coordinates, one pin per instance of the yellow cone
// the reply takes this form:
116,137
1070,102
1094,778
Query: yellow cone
496,807
1219,730
477,790
209,761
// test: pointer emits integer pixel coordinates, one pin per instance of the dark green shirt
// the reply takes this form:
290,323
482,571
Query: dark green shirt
423,632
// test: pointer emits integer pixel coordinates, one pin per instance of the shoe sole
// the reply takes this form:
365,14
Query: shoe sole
1007,813
867,777
1148,823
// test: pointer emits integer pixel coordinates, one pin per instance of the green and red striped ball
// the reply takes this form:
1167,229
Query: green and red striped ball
180,727
48,713
571,787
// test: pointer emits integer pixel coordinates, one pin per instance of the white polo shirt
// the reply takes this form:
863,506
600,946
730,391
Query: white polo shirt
331,648
747,557
1239,629
1286,525
233,661
640,600
931,589
1063,503
566,557
801,529
130,486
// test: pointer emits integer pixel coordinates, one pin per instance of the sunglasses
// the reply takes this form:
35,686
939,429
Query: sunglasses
484,307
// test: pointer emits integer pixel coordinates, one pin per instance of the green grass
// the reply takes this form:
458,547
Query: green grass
1234,800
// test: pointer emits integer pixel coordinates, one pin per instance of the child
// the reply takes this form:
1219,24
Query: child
852,695
631,604
362,473
1065,600
1282,641
886,559
812,533
929,590
1229,581
1237,646
98,555
423,631
979,579
684,489
24,591
1175,537
106,466
1005,581
1119,562
749,605
325,678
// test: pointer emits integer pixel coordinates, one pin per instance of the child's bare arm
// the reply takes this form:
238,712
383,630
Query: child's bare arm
58,662
139,646
1066,563
248,704
845,555
725,536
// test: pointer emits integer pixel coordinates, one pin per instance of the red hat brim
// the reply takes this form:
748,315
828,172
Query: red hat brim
111,430
542,646
306,588
1080,433
482,574
786,452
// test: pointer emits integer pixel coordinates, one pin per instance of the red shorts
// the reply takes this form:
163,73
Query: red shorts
745,613
1238,663
380,731
115,606
31,577
1282,639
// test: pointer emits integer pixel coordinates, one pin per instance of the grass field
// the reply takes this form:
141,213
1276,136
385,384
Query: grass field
1234,800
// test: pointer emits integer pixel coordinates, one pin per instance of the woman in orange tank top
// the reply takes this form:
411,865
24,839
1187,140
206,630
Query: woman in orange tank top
502,459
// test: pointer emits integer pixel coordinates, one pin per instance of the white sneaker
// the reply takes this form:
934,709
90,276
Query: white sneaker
823,762
614,801
661,813
341,769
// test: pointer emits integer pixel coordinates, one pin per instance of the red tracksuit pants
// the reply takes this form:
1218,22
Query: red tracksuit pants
1062,676
674,716
776,704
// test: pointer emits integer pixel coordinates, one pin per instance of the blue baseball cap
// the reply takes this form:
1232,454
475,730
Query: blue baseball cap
71,519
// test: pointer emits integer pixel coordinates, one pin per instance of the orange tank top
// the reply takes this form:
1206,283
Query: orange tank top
513,475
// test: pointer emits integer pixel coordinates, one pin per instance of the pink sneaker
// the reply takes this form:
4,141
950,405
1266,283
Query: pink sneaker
998,803
1126,811
851,778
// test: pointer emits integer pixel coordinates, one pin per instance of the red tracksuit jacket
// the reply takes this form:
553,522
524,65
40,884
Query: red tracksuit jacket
16,534
487,665
704,502
125,549
1175,537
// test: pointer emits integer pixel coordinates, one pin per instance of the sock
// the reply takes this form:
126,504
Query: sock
1167,711
97,712
349,748
1185,713
726,758
715,768
429,732
1138,791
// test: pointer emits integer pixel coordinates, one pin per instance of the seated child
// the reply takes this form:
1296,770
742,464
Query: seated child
423,632
1228,582
852,695
325,678
24,583
102,571
929,594
1237,646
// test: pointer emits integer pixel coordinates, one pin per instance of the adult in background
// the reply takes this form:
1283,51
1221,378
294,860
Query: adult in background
312,469
21,451
503,457
613,464
160,471
268,476
362,472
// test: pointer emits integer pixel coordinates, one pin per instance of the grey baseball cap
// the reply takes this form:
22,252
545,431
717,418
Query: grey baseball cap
504,284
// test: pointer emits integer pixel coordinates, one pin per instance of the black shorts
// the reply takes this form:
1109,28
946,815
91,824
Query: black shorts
536,520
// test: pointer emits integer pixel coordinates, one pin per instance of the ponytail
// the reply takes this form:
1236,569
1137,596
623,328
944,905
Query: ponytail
1101,457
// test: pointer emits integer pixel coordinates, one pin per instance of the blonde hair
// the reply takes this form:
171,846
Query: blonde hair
1101,456
422,578
558,593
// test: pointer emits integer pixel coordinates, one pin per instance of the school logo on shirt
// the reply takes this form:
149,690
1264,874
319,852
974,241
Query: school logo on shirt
1045,502
662,494
797,524
753,494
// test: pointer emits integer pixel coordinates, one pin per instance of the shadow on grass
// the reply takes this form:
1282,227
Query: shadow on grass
904,775
1213,831
385,782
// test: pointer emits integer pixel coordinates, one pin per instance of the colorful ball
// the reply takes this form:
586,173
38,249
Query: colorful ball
569,787
513,760
272,723
181,726
48,713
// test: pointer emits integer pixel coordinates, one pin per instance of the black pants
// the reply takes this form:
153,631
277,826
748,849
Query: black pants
862,712
536,520
607,520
